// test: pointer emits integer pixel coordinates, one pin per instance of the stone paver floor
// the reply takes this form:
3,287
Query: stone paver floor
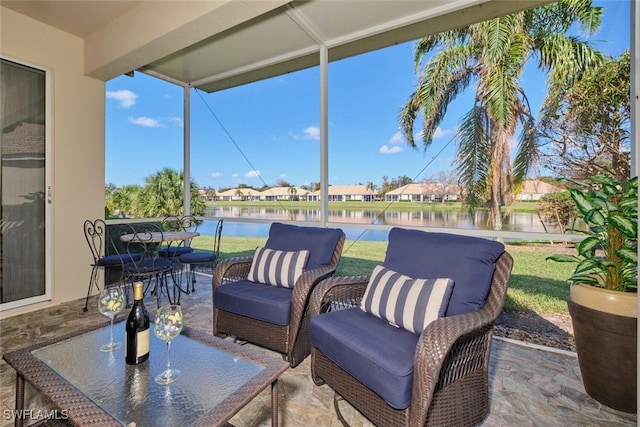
529,386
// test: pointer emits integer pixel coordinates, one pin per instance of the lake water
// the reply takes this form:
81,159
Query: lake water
521,222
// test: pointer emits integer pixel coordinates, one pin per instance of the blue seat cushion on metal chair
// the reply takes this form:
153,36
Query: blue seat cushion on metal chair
148,266
197,258
320,242
114,260
174,251
469,261
267,303
377,354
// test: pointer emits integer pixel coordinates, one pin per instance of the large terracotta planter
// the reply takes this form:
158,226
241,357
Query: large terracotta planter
605,330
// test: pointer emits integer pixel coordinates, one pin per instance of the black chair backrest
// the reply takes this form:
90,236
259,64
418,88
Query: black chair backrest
142,239
189,223
216,238
172,223
95,233
178,223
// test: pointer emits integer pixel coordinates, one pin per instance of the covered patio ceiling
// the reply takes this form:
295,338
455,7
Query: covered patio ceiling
215,45
289,38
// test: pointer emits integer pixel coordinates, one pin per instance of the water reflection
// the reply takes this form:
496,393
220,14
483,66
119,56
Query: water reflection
521,222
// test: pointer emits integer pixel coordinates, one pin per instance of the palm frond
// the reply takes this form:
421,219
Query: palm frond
445,75
442,40
527,151
407,118
473,161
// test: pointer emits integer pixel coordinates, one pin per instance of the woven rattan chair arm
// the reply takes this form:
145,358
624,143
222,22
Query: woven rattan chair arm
440,337
310,278
435,343
231,270
301,294
336,289
305,285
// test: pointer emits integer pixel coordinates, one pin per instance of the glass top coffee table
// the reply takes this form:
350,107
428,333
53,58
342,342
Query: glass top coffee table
89,386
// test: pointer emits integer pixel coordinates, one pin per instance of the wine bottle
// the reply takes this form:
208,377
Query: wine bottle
137,342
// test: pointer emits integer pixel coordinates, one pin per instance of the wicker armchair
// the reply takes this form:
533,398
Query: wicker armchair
446,365
275,317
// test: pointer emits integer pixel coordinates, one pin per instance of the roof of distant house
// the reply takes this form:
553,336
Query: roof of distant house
535,186
336,190
284,191
234,192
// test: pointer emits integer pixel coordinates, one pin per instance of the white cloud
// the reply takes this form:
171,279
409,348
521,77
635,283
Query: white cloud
385,149
397,138
126,98
175,120
252,174
294,136
283,175
146,122
235,175
439,133
312,132
217,175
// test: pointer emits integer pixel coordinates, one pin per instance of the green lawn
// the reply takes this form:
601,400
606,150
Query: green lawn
536,284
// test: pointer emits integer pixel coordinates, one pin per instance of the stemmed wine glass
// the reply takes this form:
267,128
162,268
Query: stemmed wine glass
167,326
110,303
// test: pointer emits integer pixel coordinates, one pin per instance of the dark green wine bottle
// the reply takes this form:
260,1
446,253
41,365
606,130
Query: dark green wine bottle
137,342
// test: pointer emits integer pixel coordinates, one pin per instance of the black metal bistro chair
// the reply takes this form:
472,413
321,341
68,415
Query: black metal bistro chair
95,232
176,223
201,258
150,268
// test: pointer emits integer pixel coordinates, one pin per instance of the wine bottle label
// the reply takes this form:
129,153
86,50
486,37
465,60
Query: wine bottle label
143,342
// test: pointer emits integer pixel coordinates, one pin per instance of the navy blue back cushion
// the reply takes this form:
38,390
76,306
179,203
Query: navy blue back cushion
320,242
469,261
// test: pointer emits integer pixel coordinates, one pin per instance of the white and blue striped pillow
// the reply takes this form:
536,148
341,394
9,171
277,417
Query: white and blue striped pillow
405,302
277,268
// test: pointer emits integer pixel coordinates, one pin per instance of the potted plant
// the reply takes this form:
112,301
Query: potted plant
603,296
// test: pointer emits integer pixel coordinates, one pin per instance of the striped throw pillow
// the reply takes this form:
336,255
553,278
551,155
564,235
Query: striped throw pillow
277,268
405,302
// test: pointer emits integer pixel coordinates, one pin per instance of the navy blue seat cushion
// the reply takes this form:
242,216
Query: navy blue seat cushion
197,257
173,251
113,260
469,261
267,303
148,266
377,354
320,242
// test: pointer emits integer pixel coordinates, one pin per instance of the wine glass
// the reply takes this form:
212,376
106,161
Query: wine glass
110,303
167,326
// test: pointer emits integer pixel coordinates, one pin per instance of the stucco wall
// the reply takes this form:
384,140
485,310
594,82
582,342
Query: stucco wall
77,154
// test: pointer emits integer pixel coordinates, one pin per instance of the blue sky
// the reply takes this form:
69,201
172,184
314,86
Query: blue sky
266,131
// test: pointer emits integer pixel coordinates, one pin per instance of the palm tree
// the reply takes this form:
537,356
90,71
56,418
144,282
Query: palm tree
372,188
292,192
163,195
123,200
491,56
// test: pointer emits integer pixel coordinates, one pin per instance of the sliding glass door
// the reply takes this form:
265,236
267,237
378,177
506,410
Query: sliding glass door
23,113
